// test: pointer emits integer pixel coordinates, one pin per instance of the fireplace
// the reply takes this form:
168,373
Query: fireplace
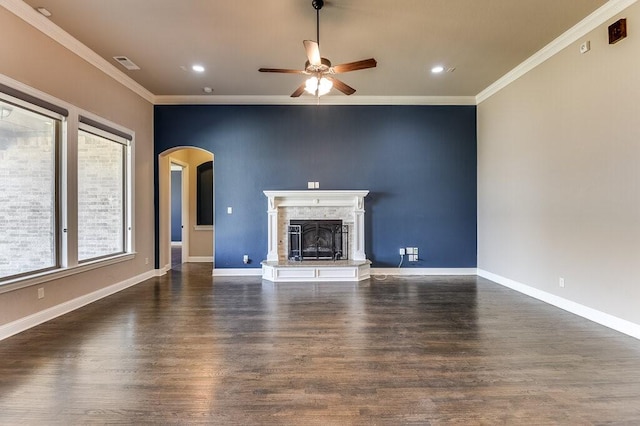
318,240
331,245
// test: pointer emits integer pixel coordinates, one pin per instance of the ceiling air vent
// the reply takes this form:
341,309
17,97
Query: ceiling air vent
126,62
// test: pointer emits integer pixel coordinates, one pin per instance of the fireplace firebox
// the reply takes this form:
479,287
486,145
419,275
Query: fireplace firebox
318,240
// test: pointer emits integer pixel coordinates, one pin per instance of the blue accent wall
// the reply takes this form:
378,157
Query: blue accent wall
418,162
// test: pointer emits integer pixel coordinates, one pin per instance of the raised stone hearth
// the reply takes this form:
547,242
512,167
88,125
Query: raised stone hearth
285,206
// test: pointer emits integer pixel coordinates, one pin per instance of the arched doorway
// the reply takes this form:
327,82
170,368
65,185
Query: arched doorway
198,242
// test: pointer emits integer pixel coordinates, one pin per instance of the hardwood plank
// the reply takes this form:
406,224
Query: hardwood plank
190,348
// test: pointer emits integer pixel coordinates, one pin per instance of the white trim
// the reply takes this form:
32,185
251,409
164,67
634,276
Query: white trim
308,100
203,227
423,271
176,243
250,272
22,324
602,318
588,24
237,272
200,259
47,27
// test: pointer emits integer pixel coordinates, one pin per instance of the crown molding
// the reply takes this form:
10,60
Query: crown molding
32,17
582,28
309,100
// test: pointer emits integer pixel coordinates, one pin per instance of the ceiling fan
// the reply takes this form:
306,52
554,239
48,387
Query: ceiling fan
319,69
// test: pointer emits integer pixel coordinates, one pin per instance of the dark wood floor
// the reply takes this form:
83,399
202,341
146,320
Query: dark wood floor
188,348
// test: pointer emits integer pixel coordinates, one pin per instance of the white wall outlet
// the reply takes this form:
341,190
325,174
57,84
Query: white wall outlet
316,185
413,254
402,251
561,282
229,210
585,47
311,185
41,293
146,260
245,259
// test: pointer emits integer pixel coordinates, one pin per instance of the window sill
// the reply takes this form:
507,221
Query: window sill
31,280
203,228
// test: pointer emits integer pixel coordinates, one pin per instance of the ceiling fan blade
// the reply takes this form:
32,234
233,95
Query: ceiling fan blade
354,66
299,91
313,52
281,70
343,87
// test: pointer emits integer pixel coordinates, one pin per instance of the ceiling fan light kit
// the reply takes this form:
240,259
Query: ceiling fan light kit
321,73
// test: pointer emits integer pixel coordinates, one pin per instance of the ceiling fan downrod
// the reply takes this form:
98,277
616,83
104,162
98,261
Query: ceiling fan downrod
317,5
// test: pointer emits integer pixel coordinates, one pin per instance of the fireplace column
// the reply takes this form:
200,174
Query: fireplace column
358,224
272,230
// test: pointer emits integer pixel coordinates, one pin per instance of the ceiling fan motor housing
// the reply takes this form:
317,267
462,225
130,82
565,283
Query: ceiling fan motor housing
324,67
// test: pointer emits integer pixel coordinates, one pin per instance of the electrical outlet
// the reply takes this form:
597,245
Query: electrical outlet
402,252
561,282
146,260
41,293
245,259
413,254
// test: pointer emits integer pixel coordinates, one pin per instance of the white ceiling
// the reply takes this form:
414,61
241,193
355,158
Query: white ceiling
482,39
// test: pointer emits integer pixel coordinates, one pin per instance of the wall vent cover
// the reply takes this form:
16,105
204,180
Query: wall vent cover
126,62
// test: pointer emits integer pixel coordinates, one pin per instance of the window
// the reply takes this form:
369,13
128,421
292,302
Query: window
29,151
101,193
41,237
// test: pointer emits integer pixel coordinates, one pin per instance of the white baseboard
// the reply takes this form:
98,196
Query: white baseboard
22,324
250,272
423,271
237,272
623,326
200,259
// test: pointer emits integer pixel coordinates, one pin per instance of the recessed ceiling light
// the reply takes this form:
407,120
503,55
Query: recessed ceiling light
43,11
437,69
197,68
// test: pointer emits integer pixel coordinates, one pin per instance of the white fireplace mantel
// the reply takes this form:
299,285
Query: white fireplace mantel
318,204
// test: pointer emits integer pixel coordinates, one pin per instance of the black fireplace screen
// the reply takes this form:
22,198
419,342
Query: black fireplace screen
318,240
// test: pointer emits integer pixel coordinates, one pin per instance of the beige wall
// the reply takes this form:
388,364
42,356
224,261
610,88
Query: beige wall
559,175
32,58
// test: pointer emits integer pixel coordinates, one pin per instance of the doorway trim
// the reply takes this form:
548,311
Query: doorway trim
184,208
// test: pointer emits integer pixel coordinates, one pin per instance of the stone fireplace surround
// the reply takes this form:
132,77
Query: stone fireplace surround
345,205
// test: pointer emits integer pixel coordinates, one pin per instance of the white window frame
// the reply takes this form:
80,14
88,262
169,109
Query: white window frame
127,228
59,156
